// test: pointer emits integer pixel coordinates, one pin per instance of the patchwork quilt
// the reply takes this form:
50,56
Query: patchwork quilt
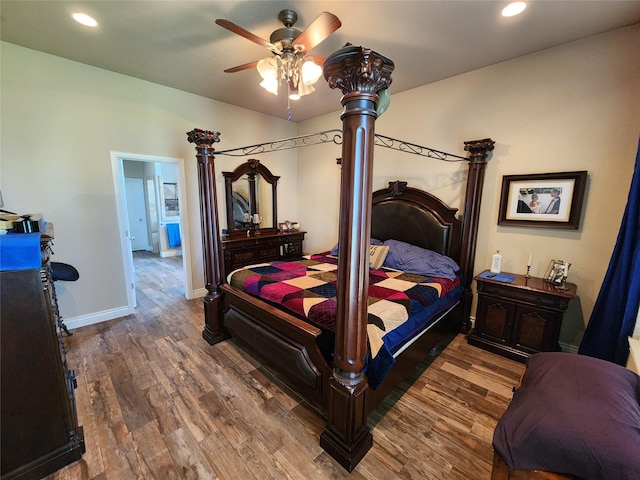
400,304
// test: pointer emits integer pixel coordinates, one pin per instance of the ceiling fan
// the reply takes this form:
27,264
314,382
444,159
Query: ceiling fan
290,47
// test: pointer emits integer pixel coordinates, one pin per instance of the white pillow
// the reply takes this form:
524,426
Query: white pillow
377,254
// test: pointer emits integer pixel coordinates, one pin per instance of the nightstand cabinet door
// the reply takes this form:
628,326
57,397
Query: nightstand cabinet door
536,330
494,319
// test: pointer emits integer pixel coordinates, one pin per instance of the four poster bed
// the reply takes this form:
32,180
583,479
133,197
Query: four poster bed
340,383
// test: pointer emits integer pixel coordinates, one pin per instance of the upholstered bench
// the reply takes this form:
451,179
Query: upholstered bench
572,416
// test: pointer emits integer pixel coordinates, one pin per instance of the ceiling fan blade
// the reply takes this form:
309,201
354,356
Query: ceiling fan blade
317,59
321,28
239,68
232,27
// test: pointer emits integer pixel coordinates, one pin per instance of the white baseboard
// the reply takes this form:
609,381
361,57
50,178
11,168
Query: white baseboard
171,253
566,347
199,293
84,320
93,318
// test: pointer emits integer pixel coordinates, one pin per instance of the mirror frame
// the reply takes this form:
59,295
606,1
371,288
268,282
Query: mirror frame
251,168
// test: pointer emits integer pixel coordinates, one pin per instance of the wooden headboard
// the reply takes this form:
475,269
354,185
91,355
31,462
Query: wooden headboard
416,217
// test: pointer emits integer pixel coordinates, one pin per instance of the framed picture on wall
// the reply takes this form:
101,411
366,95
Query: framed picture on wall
547,200
170,194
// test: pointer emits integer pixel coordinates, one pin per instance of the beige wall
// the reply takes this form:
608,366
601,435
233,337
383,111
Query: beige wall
59,122
574,107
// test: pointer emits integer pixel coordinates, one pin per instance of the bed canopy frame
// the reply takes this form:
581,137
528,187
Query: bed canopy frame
360,74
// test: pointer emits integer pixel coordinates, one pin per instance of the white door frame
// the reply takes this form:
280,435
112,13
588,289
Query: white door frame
117,168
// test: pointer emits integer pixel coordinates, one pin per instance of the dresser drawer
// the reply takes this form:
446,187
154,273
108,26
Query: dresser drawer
261,247
269,251
242,256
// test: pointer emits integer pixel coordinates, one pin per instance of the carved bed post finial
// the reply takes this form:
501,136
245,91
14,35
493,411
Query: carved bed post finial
253,163
397,188
478,154
479,149
360,73
211,244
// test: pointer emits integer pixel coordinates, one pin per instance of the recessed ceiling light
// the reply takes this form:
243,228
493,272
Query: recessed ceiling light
84,19
514,8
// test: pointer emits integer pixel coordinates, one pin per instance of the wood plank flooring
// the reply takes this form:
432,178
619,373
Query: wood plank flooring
158,402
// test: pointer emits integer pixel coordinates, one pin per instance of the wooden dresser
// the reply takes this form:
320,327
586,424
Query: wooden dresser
40,432
519,318
240,251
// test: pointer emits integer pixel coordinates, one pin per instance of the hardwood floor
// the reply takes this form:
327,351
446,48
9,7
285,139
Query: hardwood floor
157,402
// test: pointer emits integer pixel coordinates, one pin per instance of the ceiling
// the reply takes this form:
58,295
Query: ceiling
177,43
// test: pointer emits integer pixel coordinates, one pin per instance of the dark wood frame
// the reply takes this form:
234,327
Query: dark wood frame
341,391
251,168
508,198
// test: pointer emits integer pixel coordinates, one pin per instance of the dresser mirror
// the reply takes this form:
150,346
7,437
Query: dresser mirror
251,198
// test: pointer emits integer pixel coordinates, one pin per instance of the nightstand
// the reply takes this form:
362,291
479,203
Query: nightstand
519,318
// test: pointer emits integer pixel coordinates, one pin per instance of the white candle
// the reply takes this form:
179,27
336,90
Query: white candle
529,262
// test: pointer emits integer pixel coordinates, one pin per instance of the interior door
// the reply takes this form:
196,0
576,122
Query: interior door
137,214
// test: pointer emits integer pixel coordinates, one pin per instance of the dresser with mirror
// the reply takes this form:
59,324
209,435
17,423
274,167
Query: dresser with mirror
253,235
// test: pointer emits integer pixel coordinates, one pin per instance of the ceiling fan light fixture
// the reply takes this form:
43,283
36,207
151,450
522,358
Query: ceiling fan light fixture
268,70
270,85
304,89
310,72
289,46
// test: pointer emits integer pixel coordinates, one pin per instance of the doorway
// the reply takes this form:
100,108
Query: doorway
127,217
137,211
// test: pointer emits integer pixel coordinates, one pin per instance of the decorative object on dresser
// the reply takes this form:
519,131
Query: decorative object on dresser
340,388
519,315
40,432
548,200
288,226
557,273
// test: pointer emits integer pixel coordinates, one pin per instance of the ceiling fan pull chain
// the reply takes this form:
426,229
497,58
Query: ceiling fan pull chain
288,102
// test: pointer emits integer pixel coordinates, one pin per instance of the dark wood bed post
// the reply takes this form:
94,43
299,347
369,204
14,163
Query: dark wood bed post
211,245
360,73
478,153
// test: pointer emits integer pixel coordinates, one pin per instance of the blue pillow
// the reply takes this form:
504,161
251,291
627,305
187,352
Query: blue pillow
412,259
336,247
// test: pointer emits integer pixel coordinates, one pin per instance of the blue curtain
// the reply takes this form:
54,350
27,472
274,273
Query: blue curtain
616,309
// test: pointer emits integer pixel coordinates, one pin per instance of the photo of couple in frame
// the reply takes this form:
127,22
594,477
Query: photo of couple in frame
551,200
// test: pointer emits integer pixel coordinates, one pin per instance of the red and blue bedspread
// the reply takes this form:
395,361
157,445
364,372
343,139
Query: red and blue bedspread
401,305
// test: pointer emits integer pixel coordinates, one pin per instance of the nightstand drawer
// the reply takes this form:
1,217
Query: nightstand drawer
531,297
